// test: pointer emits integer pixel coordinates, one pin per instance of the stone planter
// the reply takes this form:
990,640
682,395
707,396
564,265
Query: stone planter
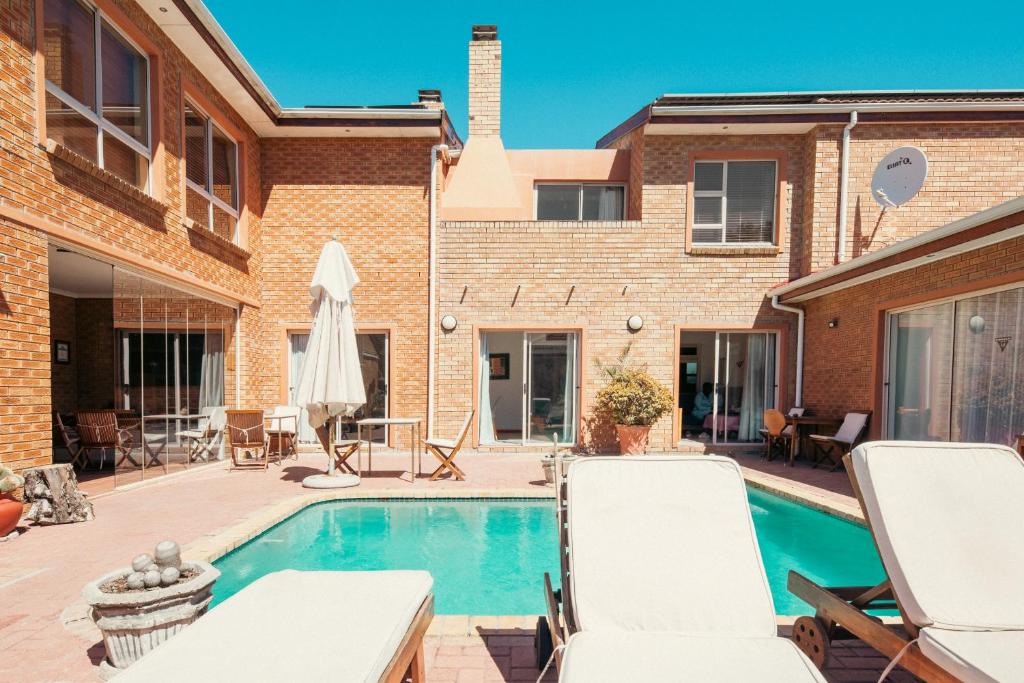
134,623
547,463
632,439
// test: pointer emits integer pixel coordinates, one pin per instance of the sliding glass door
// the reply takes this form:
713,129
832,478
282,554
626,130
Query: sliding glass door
529,383
956,370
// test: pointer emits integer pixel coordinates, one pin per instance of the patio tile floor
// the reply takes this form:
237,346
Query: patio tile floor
47,637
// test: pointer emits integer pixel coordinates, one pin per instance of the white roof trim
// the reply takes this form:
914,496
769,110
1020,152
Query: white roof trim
703,110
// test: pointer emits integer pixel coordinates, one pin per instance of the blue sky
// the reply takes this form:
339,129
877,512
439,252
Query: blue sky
574,70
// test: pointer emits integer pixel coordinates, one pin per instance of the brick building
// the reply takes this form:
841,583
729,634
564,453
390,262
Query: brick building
160,216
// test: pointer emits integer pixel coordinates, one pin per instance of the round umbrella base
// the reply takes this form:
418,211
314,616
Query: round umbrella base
326,481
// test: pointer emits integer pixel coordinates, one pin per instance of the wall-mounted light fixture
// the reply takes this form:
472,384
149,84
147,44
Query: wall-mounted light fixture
635,323
449,323
833,323
976,324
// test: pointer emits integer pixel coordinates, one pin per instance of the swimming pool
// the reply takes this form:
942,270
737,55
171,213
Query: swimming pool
489,556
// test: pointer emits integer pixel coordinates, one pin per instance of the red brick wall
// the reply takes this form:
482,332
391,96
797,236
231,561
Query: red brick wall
97,357
842,370
64,378
372,195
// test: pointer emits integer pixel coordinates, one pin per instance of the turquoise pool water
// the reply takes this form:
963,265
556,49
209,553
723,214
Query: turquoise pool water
489,557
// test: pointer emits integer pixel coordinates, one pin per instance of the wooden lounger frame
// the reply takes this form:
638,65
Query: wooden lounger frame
840,614
562,624
408,661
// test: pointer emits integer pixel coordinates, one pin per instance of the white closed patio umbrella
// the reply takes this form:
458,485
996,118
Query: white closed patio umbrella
331,380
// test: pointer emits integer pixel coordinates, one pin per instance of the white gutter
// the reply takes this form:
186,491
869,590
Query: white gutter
799,402
762,109
972,221
844,171
359,113
432,287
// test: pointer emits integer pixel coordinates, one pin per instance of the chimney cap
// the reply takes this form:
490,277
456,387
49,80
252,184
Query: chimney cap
429,95
485,32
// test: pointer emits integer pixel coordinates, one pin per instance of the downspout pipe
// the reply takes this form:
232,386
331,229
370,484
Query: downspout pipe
436,153
799,403
843,190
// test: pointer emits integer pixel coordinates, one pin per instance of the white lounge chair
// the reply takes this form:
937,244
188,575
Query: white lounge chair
303,626
946,518
665,580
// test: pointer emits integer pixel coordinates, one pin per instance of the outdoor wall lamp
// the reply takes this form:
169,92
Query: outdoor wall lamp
449,323
635,323
833,323
976,324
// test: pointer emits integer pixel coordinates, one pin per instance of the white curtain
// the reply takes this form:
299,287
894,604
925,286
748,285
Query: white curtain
609,207
486,411
752,404
211,378
297,352
568,434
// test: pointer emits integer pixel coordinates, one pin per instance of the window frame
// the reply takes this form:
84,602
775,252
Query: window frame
103,126
723,194
211,199
580,184
780,157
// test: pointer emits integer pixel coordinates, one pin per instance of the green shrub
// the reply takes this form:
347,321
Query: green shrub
632,396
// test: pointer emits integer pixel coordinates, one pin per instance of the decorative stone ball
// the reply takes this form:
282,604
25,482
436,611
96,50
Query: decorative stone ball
142,562
136,580
169,576
152,578
167,554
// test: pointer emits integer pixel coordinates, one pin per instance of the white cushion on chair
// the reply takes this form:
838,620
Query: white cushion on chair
441,443
192,434
665,543
976,656
618,657
294,626
947,518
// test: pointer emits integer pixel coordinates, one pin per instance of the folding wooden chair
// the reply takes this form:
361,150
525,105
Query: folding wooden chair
246,434
343,450
833,448
72,443
202,439
98,430
776,434
446,450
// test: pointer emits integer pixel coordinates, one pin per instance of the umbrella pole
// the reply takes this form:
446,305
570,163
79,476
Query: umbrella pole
332,470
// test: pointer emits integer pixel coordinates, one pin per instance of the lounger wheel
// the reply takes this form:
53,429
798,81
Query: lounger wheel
542,642
811,636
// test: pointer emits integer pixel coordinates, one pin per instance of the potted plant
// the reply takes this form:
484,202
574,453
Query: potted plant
633,400
10,507
138,608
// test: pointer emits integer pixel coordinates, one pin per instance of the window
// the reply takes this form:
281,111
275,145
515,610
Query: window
734,202
211,174
579,202
97,91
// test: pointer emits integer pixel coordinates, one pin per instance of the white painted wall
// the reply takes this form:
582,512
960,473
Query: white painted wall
507,394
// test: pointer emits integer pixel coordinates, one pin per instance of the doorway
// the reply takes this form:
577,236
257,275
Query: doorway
528,387
726,382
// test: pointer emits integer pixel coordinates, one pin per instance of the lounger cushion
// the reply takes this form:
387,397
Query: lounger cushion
617,657
441,443
947,519
665,543
294,626
976,656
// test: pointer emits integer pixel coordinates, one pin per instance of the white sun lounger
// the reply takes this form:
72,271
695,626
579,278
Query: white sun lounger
948,520
303,626
665,576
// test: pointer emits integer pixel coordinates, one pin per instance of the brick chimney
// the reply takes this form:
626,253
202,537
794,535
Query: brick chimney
485,82
430,98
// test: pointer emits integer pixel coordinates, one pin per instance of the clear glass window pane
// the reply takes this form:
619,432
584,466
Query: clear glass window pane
707,176
69,49
920,358
195,146
197,207
750,208
707,235
124,162
69,128
707,210
558,202
125,85
223,223
603,202
225,181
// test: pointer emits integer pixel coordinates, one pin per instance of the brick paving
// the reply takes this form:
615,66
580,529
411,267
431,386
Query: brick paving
46,637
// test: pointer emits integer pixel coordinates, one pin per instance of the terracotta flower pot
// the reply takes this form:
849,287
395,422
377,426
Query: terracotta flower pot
10,513
632,439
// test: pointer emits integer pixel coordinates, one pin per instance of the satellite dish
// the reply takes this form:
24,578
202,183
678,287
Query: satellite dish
899,176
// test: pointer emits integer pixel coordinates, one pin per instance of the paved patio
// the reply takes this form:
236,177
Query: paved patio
45,636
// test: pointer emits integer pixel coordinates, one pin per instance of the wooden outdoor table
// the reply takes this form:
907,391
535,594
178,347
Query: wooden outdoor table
415,452
802,422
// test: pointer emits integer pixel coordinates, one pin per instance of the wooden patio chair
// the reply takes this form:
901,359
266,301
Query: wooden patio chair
776,434
832,449
446,450
98,430
72,443
247,437
201,440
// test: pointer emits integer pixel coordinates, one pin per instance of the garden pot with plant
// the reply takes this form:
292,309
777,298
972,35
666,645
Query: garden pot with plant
10,507
633,400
